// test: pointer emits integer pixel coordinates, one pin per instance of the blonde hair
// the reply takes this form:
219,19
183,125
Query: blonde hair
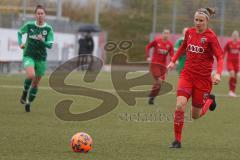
208,12
235,33
165,30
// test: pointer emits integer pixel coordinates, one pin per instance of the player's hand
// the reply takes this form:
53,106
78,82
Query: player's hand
149,59
40,37
170,65
216,79
22,46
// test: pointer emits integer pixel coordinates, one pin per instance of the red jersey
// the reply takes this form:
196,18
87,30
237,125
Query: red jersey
232,50
200,49
161,51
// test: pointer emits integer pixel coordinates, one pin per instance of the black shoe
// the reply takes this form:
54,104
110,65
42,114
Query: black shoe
23,98
175,144
27,107
151,100
213,105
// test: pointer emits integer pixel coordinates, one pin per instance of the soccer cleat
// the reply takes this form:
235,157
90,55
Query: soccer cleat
213,105
23,98
151,100
232,94
175,144
27,107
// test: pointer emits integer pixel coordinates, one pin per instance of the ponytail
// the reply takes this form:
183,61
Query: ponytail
208,12
211,11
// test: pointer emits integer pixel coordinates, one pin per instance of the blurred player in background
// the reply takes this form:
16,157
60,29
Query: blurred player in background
39,37
182,58
85,51
201,45
232,49
162,48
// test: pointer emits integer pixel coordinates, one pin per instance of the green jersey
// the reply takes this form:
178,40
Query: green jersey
34,47
182,59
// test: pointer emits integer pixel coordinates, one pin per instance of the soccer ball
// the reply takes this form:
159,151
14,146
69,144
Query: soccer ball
81,142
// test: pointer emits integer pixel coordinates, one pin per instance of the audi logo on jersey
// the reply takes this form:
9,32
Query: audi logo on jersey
163,51
195,49
235,51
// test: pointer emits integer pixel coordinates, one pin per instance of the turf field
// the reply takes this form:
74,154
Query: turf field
120,134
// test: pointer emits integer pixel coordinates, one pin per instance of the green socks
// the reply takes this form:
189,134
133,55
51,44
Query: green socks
27,84
33,91
32,94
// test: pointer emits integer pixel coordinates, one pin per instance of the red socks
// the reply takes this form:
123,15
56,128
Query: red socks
178,124
232,83
155,90
179,119
206,106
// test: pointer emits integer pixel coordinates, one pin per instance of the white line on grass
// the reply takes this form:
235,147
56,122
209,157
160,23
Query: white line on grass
20,87
108,90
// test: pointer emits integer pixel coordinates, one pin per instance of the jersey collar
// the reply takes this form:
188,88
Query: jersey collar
41,25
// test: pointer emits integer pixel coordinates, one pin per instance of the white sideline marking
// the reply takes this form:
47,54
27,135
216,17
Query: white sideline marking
109,90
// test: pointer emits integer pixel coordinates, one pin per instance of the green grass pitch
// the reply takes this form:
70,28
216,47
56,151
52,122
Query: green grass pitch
118,135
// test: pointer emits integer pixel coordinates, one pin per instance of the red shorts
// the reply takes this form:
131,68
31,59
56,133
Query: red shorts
232,65
158,71
194,86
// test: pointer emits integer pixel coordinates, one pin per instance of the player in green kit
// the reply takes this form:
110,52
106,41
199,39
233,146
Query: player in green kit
182,59
40,36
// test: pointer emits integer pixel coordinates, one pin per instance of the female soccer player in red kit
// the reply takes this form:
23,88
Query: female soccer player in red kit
162,48
201,45
232,49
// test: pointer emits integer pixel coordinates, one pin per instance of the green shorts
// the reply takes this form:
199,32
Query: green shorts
39,66
181,62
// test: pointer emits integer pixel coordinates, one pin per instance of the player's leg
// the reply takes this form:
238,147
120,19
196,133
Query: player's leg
84,62
179,121
40,68
79,62
183,94
236,69
232,83
155,89
236,76
158,72
28,64
91,61
209,104
33,92
202,100
232,78
34,88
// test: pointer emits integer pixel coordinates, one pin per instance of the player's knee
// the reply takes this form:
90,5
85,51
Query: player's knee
232,74
35,84
180,106
156,85
31,76
196,111
195,116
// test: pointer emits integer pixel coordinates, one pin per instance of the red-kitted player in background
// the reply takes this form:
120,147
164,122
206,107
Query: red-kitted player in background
232,50
162,48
